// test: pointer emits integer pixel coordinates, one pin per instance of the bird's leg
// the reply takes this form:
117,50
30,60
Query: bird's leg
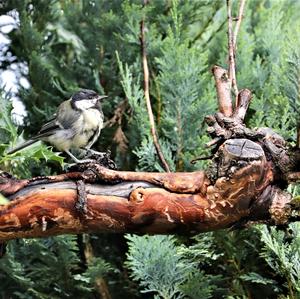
77,160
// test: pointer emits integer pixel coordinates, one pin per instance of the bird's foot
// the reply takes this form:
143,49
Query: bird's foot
93,157
102,158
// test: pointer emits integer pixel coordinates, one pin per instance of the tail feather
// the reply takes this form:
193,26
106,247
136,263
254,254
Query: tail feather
21,146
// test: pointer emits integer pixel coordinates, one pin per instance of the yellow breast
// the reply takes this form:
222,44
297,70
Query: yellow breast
92,119
91,124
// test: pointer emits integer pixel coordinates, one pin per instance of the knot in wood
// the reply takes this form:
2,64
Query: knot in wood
137,195
81,203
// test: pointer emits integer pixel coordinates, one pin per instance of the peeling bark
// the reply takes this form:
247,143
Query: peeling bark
243,185
116,201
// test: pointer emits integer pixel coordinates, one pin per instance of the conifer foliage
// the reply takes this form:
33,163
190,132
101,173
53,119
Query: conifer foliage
61,46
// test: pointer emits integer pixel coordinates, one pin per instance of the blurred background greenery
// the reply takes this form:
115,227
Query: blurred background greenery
51,48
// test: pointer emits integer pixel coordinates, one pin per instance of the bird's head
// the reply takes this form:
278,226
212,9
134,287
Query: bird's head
86,99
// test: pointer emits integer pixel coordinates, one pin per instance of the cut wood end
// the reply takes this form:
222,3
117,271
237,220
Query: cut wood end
220,73
223,87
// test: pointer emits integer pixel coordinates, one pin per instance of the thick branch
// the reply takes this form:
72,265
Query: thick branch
116,201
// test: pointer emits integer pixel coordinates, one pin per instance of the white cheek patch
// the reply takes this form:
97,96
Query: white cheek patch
85,104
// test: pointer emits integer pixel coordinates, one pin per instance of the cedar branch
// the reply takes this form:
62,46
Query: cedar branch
148,101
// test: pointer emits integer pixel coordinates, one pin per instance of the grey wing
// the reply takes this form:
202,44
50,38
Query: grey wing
64,120
47,129
67,116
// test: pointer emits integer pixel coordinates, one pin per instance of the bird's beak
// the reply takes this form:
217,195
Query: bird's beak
100,98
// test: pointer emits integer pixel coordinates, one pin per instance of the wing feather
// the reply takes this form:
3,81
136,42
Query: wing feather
64,120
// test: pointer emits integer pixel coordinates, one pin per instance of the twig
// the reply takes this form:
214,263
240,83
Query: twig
147,97
231,70
238,24
194,161
213,142
158,98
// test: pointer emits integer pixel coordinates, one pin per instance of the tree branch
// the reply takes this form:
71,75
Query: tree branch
238,189
231,52
238,23
148,101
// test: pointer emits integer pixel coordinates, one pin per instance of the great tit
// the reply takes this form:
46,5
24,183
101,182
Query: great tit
77,124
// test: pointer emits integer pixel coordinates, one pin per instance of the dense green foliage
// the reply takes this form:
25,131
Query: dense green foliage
63,45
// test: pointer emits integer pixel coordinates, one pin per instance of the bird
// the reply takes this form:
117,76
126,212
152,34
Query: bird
76,125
